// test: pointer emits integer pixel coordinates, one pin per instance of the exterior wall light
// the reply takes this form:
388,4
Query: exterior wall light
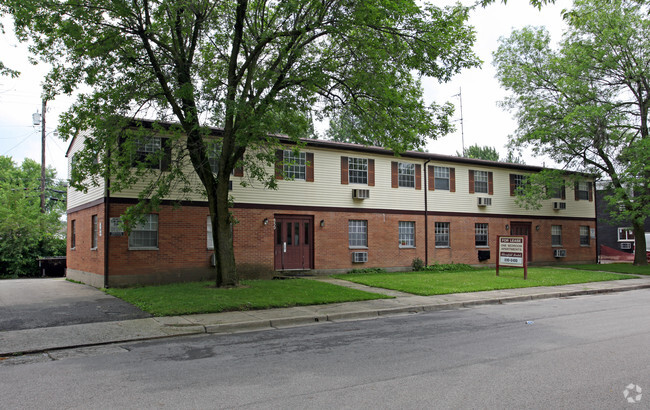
266,221
537,228
322,223
507,227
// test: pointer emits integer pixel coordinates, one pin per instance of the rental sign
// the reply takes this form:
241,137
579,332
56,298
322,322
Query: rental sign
513,251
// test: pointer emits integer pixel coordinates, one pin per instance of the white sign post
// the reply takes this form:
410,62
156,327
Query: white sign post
513,251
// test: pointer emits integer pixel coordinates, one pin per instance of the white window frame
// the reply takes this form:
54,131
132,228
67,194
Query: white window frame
406,232
358,234
585,236
145,147
210,243
94,232
556,235
358,170
481,182
295,166
481,230
441,176
583,191
137,237
520,182
625,234
442,235
406,175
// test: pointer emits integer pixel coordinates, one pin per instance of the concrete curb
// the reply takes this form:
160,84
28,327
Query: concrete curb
95,334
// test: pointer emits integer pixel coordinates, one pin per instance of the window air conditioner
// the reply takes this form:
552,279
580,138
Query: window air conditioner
484,201
626,245
359,257
559,205
213,259
559,253
360,193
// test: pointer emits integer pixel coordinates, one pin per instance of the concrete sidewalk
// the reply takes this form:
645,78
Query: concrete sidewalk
63,337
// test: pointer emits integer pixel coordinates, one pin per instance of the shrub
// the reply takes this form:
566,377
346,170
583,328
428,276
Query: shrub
450,267
417,264
367,270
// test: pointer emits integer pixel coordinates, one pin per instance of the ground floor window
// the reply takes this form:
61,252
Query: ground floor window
358,234
556,235
584,235
73,234
145,234
442,234
407,234
481,234
95,230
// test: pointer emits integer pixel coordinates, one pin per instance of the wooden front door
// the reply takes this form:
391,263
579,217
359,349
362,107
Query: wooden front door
523,229
294,237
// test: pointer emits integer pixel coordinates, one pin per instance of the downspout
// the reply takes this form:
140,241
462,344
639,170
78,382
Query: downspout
107,226
426,216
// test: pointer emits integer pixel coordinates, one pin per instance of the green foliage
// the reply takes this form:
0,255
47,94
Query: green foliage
585,104
477,152
201,297
447,267
441,283
367,271
253,68
417,264
25,232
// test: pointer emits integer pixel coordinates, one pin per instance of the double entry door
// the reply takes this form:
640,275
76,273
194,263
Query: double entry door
294,242
523,229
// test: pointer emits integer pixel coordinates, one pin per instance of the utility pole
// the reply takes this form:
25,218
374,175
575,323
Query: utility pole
44,107
462,131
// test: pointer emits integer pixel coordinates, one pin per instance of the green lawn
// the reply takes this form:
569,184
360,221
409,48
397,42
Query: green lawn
202,297
614,267
439,283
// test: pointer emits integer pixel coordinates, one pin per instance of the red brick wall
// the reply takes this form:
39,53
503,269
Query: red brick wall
82,257
183,255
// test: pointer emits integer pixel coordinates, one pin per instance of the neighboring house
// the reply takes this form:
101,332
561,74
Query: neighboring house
615,238
345,206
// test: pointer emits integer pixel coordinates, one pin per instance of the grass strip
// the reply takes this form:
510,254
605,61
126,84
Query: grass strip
440,283
614,267
203,297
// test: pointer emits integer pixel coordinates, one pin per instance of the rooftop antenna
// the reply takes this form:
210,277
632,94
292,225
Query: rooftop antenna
462,131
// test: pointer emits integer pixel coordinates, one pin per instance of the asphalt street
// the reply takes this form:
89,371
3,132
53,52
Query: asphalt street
580,352
37,303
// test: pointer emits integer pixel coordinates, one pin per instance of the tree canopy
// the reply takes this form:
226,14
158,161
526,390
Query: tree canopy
251,67
585,103
25,232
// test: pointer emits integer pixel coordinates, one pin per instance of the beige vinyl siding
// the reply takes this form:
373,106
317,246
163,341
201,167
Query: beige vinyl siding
327,190
77,198
502,202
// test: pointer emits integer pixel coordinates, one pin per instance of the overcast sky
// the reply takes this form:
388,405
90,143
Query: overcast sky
484,122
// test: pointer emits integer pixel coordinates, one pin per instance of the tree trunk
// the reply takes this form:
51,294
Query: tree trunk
222,234
640,258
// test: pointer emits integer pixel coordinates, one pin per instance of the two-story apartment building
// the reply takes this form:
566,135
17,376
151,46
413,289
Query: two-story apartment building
343,206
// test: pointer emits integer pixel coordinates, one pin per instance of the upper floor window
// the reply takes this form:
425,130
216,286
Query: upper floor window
441,178
583,191
147,151
358,170
406,175
481,182
295,165
517,183
407,234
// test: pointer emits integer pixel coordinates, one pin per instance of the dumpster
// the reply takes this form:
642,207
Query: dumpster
52,266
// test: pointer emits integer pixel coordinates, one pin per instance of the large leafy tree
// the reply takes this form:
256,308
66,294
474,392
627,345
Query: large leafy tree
250,67
25,232
585,103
